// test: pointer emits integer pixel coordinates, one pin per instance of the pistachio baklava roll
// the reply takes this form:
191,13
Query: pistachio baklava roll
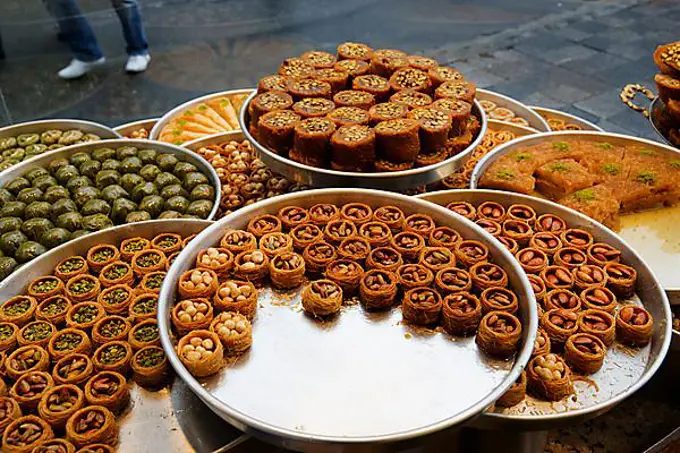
354,68
532,260
269,101
444,236
108,389
110,328
116,273
59,403
18,310
36,332
312,141
70,267
91,425
237,296
549,377
546,242
441,74
201,352
354,98
413,276
461,313
25,433
499,299
563,299
436,258
9,411
451,280
44,287
101,255
84,315
152,282
463,208
287,270
398,140
634,326
150,366
358,213
197,283
143,334
378,289
346,273
25,360
422,306
384,258
354,51
130,246
322,298
305,235
599,299
376,233
435,127
313,107
192,314
293,216
276,130
272,244
462,90
460,112
391,216
143,307
338,230
8,336
167,242
621,279
322,213
499,334
29,388
237,241
234,331
273,82
318,255
147,261
421,224
74,368
113,356
585,352
408,244
116,299
515,394
542,343
353,148
601,254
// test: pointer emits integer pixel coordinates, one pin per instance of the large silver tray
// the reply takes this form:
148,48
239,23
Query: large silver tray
169,116
624,370
171,420
188,156
566,117
651,233
535,120
396,180
127,128
362,380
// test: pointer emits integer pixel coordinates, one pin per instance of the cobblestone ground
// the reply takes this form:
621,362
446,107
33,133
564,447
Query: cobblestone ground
570,55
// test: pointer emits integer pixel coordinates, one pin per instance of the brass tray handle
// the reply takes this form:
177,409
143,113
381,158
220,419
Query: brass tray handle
628,93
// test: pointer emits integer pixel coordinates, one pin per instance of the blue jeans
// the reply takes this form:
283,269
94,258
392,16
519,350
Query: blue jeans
80,37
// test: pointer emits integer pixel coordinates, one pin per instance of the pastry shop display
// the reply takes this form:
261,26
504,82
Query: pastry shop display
391,96
74,349
64,197
207,115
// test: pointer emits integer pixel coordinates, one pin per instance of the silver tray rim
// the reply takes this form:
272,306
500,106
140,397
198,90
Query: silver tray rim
567,116
508,147
214,139
397,180
535,120
124,128
43,159
581,219
170,114
289,438
43,125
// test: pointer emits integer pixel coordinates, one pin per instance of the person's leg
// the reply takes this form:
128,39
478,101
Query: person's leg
133,29
77,32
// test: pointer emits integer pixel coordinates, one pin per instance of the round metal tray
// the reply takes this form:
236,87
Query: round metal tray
566,117
360,380
396,180
535,120
652,233
169,116
624,371
128,128
171,420
42,160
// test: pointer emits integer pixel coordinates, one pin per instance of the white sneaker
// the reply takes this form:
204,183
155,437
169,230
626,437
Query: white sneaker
138,63
78,68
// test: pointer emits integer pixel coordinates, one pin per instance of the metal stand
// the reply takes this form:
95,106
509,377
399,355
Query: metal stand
488,441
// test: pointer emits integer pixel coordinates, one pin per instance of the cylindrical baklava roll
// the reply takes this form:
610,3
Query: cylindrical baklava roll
270,101
488,275
101,255
515,394
336,78
287,270
410,79
460,112
460,89
411,99
74,368
585,352
387,166
599,299
551,223
621,279
424,160
470,252
346,273
308,88
557,277
386,111
546,242
398,140
385,62
322,298
378,289
319,59
441,74
601,254
532,260
414,275
29,388
422,306
70,267
461,313
563,299
192,314
108,389
238,241
312,141
354,98
273,82
201,352
634,326
499,334
599,323
559,324
318,255
276,130
549,377
354,51
19,310
239,296
354,68
422,63
542,343
353,148
91,425
44,287
463,208
499,299
150,366
435,127
355,249
313,107
25,433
